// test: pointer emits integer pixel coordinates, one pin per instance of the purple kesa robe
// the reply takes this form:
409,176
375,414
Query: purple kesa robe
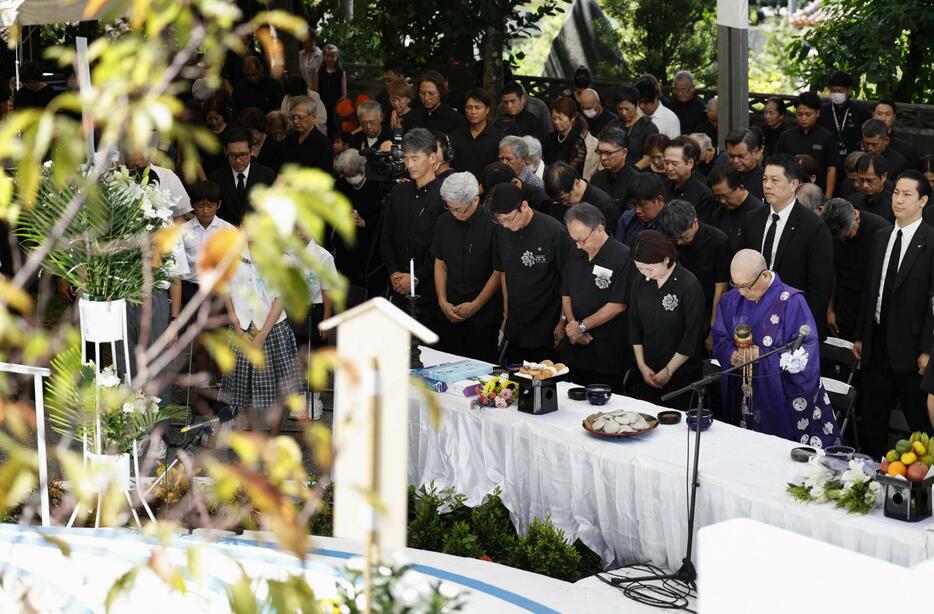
789,405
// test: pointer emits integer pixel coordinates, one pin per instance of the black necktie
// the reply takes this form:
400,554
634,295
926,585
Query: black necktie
769,241
241,186
891,273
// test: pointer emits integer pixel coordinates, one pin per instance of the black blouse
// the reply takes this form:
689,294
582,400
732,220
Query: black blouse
667,320
591,284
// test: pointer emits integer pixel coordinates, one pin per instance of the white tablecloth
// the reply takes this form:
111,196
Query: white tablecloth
626,498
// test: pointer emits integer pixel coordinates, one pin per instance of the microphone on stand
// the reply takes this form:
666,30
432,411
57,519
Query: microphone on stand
803,332
225,414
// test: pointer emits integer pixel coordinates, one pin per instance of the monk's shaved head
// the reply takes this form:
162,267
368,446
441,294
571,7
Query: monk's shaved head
747,262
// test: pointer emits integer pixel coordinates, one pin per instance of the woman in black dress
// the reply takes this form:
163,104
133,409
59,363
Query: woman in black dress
360,261
565,144
773,115
217,117
331,84
666,321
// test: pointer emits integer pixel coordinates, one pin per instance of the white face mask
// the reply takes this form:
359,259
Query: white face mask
590,113
355,180
837,98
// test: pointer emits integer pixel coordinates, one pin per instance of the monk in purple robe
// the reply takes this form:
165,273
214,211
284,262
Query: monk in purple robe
787,399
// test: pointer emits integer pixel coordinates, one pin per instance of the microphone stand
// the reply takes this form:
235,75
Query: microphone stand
687,573
196,441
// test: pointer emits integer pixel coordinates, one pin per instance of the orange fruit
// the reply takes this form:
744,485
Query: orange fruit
897,468
222,248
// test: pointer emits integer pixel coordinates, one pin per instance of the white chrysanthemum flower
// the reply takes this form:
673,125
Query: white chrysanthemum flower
108,378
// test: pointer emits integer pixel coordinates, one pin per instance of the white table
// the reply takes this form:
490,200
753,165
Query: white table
626,498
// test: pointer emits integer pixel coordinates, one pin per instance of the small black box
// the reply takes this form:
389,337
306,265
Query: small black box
904,500
537,396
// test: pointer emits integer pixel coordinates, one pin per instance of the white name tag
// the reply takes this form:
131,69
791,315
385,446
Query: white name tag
602,271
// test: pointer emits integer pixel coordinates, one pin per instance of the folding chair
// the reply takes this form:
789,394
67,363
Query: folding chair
838,361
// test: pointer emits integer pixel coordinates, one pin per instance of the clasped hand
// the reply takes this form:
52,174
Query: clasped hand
742,355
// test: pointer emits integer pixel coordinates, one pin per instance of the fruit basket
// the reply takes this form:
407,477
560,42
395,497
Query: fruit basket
906,474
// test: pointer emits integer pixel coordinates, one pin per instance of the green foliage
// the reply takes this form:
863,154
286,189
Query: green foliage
393,593
884,44
424,33
426,529
664,37
545,550
461,541
495,532
768,65
322,521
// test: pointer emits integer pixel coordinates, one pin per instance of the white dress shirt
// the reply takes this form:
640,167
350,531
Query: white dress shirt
908,232
782,222
251,297
193,237
666,121
246,175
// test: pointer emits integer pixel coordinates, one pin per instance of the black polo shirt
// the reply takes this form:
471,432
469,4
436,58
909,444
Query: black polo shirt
473,154
880,204
409,218
695,192
851,270
708,256
845,123
591,284
444,119
896,160
908,151
753,181
692,113
615,184
525,123
533,260
314,151
637,134
599,199
731,221
466,249
598,123
819,143
667,320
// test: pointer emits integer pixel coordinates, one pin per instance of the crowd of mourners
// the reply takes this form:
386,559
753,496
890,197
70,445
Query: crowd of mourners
598,231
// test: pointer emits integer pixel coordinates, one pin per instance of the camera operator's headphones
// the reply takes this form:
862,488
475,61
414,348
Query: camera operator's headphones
448,151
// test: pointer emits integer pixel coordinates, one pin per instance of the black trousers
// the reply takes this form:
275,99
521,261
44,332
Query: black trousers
470,338
882,388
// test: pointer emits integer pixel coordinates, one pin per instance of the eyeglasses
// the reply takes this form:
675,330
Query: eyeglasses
582,242
749,285
239,155
509,219
458,209
296,117
721,196
606,154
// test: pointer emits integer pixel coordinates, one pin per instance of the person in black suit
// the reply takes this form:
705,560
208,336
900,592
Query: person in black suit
239,177
896,325
305,145
371,134
564,184
681,156
796,243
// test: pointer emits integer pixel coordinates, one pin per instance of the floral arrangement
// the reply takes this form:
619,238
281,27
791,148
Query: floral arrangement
78,395
794,362
101,250
499,392
394,590
853,490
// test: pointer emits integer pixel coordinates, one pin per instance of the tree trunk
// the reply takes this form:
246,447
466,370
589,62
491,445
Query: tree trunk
492,54
913,63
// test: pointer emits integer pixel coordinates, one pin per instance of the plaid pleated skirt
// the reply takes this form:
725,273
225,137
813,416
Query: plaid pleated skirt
251,386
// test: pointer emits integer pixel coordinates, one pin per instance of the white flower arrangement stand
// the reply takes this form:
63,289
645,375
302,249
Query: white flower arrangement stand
105,322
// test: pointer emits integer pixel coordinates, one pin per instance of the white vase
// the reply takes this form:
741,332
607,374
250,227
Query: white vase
102,321
109,471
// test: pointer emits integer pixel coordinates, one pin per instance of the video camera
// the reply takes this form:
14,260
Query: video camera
385,165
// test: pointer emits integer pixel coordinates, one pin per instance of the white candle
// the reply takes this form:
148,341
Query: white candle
412,276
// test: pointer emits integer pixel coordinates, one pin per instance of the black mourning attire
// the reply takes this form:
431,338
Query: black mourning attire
591,284
637,133
692,113
616,185
525,123
731,221
466,248
819,143
908,151
28,98
845,123
851,270
409,219
695,192
666,321
443,119
880,204
599,199
360,141
236,203
272,154
896,160
360,262
533,261
314,151
708,257
556,149
265,95
598,123
753,181
472,154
